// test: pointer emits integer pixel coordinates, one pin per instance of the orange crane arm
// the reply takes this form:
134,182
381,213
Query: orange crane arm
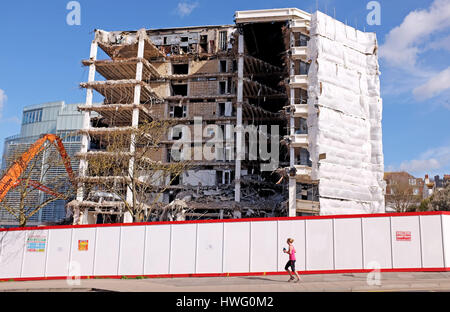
12,175
38,186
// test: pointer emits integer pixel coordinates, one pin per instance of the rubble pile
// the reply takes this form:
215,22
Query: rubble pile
259,199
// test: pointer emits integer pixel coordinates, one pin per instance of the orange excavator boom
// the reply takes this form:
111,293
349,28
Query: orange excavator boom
11,177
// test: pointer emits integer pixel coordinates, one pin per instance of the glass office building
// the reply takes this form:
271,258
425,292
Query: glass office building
55,118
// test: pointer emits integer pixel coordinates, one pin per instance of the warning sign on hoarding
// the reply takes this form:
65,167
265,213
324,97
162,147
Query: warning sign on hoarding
36,243
403,235
83,245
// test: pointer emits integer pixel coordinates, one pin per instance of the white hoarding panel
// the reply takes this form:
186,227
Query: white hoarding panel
131,255
107,252
406,242
264,252
157,250
236,247
322,244
209,248
35,253
83,251
446,239
183,248
11,255
319,244
348,244
58,254
377,243
431,238
291,229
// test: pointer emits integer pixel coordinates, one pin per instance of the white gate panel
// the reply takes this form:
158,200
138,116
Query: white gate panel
35,253
377,243
183,248
348,244
11,256
291,229
263,244
236,247
157,250
319,244
209,248
406,242
58,254
446,239
131,255
431,238
83,251
107,252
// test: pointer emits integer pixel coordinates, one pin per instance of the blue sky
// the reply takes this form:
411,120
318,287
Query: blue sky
40,58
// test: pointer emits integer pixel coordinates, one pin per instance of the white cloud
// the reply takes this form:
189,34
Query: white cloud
431,161
185,8
404,43
3,99
433,86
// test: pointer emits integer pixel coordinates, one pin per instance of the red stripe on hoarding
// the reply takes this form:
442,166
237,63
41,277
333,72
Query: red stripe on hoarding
229,274
23,279
349,216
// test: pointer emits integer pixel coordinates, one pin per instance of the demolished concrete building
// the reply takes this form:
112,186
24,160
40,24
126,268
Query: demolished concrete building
314,77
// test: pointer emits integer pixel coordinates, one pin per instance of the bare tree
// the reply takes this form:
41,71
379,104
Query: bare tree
37,186
402,196
440,200
145,180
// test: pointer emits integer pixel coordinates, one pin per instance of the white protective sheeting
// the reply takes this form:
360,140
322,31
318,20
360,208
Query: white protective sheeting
344,117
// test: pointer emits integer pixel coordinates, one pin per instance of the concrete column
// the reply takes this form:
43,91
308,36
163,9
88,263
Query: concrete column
87,120
83,217
240,98
135,122
292,181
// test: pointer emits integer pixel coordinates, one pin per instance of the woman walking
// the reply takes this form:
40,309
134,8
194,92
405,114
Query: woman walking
291,262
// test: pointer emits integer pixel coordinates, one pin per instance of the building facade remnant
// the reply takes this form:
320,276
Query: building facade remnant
304,86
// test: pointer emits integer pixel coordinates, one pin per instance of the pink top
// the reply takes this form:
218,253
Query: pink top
292,254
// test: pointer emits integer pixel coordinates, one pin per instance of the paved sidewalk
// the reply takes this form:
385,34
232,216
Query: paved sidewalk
420,281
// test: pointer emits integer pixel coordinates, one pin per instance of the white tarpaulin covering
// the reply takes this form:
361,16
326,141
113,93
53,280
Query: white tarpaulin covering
344,117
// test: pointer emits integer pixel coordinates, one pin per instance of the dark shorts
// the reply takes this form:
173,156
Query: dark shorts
290,263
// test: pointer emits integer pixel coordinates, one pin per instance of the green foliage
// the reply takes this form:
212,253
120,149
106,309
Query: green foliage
424,205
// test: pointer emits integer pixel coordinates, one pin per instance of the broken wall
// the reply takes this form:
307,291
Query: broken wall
344,117
196,177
